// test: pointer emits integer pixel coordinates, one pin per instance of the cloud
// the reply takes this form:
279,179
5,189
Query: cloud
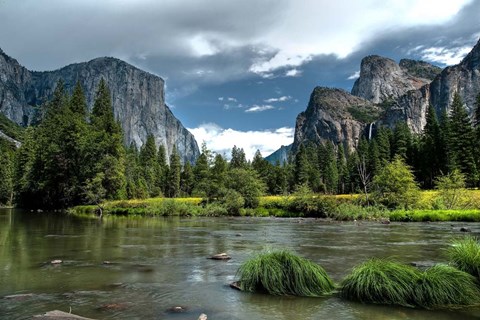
231,99
445,56
220,98
257,108
206,41
280,99
354,76
222,140
293,73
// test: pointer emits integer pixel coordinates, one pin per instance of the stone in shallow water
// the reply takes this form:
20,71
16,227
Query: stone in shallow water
59,315
220,256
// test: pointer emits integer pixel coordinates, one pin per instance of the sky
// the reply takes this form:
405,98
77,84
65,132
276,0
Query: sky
239,72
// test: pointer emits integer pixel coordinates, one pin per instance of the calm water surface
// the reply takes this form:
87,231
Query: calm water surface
159,263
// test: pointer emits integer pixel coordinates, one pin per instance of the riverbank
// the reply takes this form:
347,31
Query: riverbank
336,207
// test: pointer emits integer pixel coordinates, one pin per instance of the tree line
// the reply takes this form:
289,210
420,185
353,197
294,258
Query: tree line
75,157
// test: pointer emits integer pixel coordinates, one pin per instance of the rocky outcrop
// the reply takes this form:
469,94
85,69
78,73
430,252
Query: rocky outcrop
382,78
138,99
334,115
463,78
385,94
280,156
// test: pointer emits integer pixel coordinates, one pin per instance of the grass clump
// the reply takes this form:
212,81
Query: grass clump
284,273
443,286
381,281
464,254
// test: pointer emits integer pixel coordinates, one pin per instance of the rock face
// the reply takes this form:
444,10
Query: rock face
281,155
333,115
385,94
138,99
382,78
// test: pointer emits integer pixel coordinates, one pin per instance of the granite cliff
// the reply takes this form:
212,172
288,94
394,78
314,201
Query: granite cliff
385,94
138,99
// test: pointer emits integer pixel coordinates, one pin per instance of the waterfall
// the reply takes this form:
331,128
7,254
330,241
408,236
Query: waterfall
370,131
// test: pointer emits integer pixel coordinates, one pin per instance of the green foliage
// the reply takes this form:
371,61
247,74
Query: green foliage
7,173
238,160
395,185
442,286
246,183
471,215
381,281
363,114
460,140
464,254
283,273
174,172
451,190
10,128
233,202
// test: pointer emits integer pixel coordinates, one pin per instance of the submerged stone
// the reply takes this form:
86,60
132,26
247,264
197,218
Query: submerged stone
220,256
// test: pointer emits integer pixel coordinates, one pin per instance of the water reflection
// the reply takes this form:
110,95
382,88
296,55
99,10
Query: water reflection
139,268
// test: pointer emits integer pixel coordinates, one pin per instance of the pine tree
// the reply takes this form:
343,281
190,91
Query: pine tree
301,175
6,172
149,163
330,171
461,140
162,169
174,171
342,169
402,138
109,152
187,179
78,102
202,173
238,158
383,137
430,149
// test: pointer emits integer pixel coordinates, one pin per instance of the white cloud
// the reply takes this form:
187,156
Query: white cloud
332,33
209,40
220,98
232,99
293,73
446,56
257,108
354,76
280,99
222,140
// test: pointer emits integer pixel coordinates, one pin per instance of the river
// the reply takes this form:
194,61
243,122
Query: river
132,268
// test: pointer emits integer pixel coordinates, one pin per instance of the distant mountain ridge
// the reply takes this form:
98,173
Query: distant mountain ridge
138,99
385,94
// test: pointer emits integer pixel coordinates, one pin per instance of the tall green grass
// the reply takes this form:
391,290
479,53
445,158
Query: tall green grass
443,286
464,254
381,281
284,273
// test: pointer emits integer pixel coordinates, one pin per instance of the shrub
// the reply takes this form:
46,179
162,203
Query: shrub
381,281
442,286
464,254
283,273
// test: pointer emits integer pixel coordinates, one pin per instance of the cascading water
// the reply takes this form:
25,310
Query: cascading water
370,131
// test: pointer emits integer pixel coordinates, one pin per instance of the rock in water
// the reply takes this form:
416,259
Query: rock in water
59,315
220,256
138,99
203,316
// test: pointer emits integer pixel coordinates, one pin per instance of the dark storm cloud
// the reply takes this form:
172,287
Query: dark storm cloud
49,34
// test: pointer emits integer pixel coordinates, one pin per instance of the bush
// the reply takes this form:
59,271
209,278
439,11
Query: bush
442,286
464,254
395,186
283,273
381,281
233,202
